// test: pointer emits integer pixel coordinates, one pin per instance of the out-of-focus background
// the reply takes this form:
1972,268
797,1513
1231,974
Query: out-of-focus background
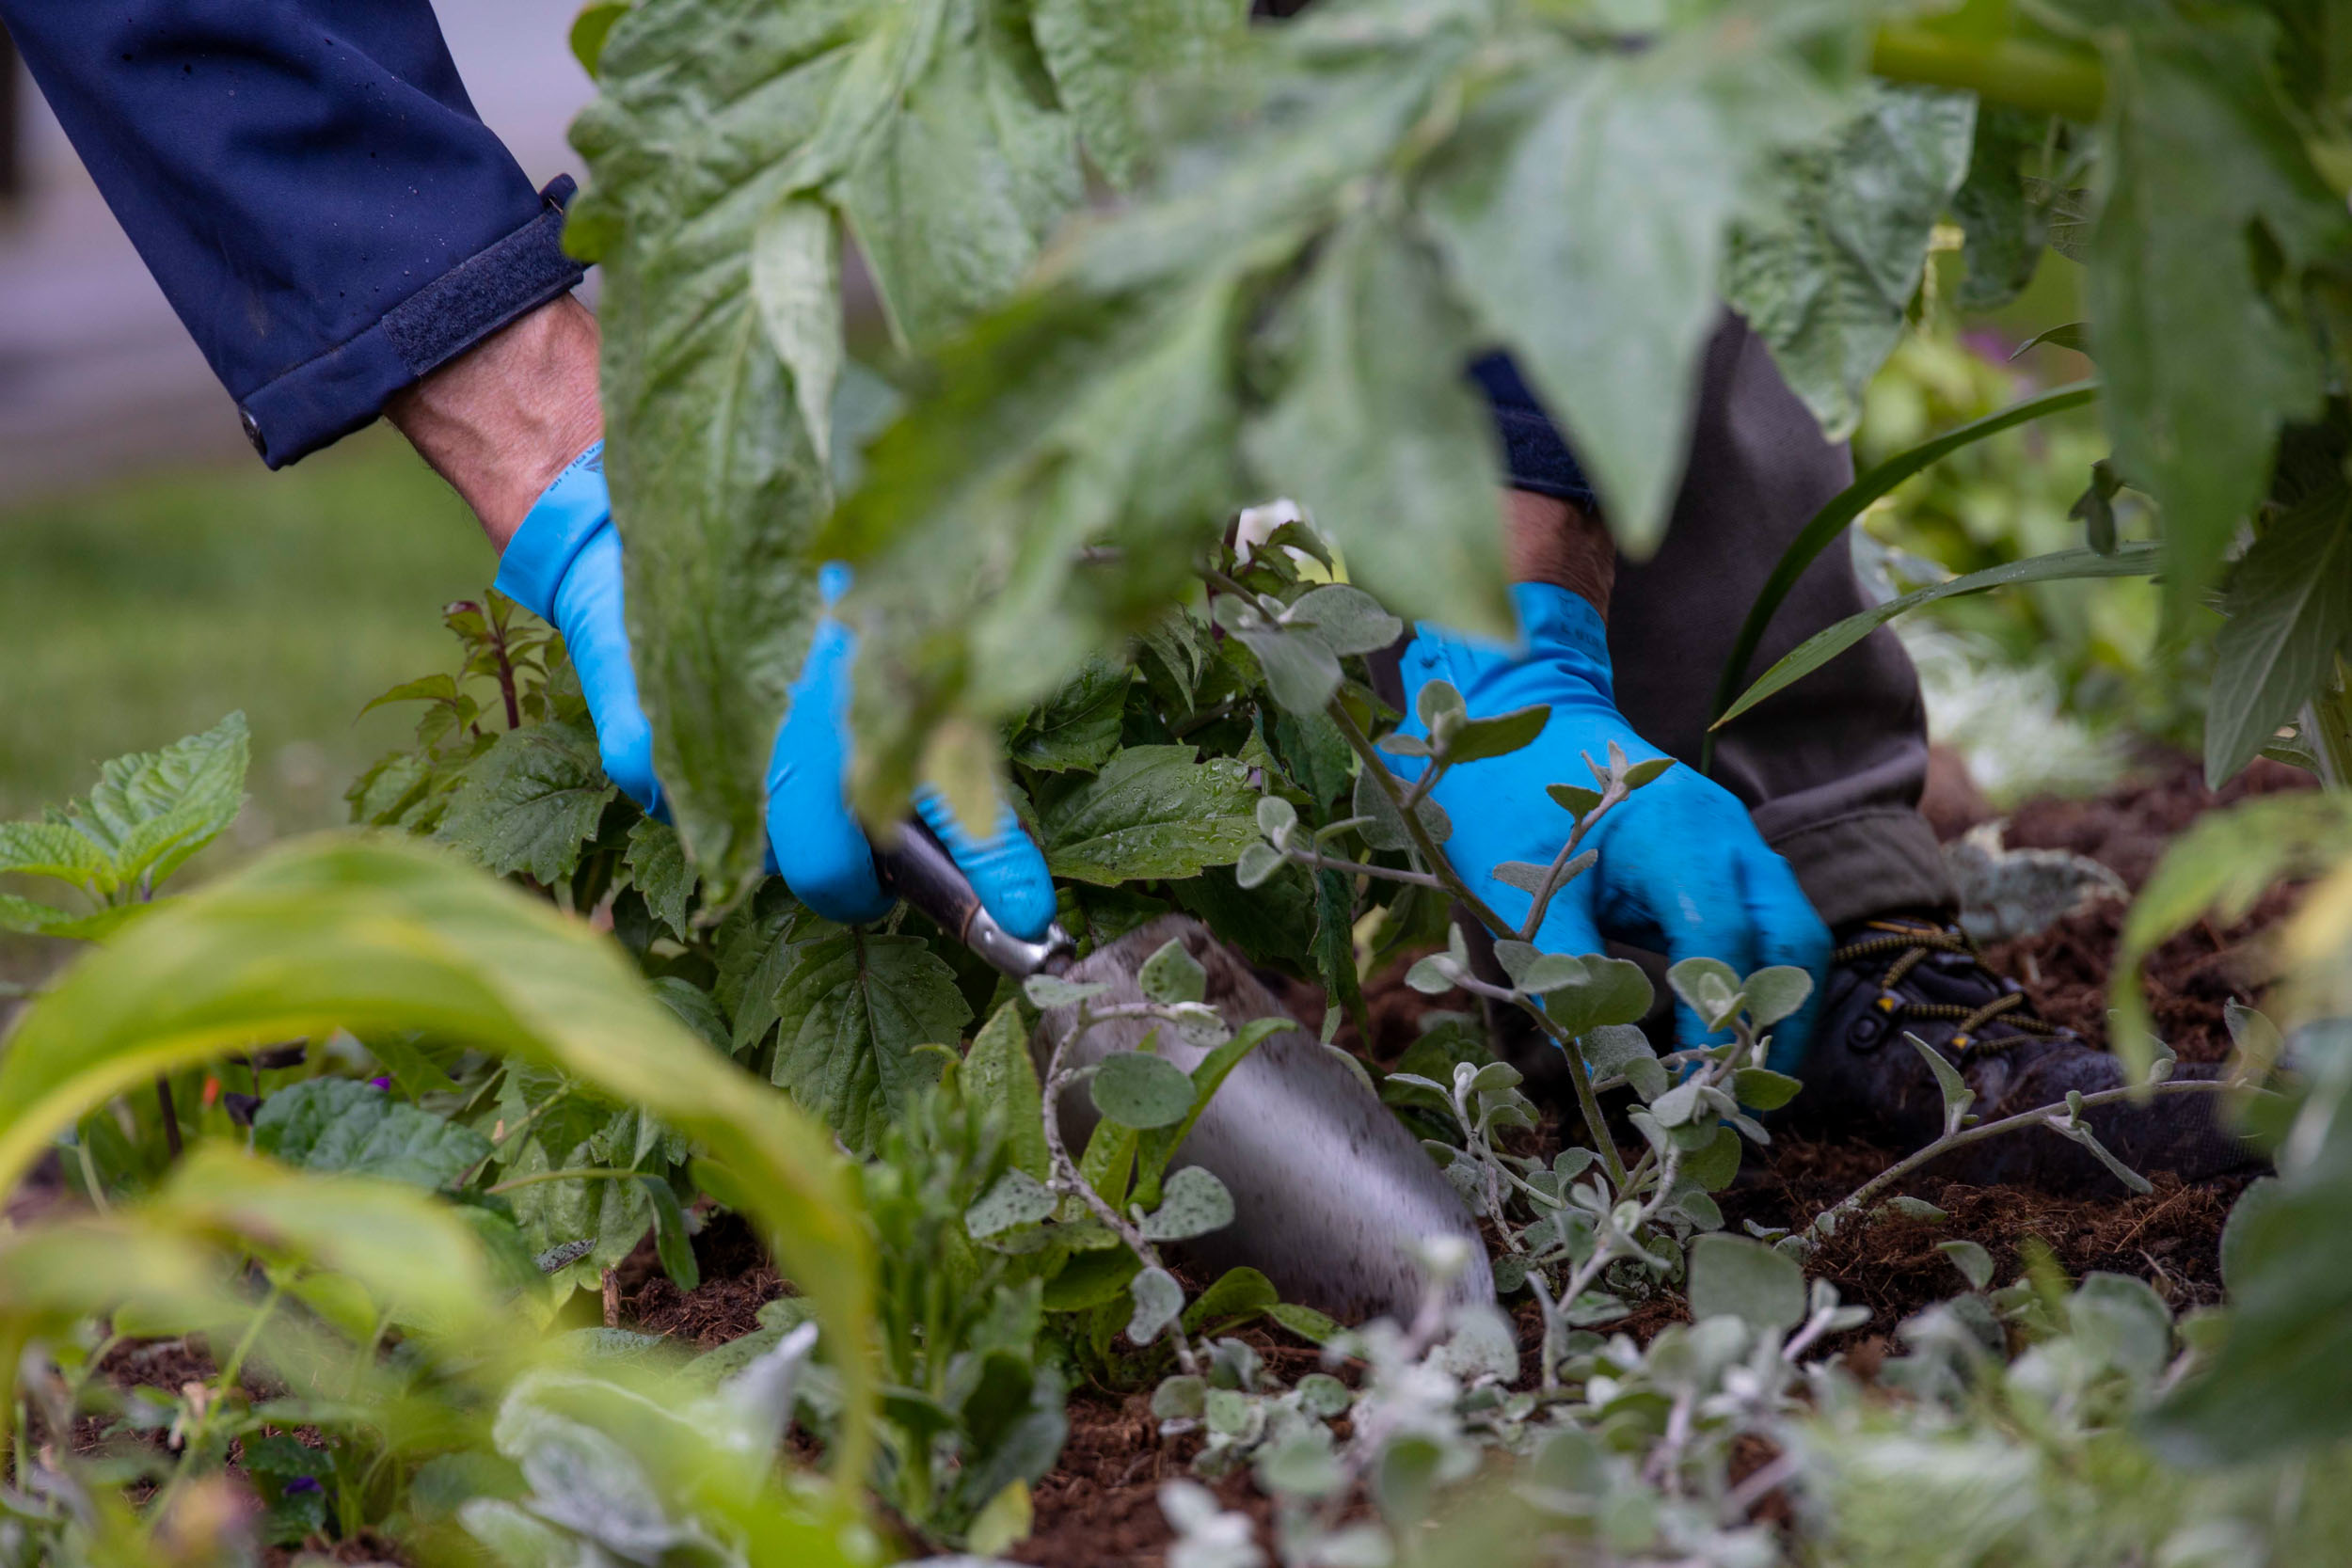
152,575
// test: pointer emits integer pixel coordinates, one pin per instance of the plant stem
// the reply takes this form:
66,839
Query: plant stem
223,1385
573,1172
1433,860
1067,1176
170,1114
1853,1203
1315,862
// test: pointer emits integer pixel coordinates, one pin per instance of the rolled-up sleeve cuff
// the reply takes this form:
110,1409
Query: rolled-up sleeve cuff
1534,453
325,398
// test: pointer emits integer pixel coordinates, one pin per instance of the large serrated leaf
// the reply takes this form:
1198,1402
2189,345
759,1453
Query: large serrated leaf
851,1011
974,163
530,802
658,869
2201,362
1616,178
1152,811
337,1124
701,131
1375,434
1826,281
1105,54
151,810
2289,608
1077,726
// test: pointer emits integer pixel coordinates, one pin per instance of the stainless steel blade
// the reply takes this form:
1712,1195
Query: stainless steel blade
1331,1193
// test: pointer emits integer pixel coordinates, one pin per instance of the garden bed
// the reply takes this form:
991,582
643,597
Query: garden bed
1100,1504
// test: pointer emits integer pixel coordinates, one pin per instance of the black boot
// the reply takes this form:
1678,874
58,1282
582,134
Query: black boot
1895,976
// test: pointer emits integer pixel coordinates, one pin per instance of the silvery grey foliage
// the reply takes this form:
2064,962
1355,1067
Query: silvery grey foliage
595,1499
2005,893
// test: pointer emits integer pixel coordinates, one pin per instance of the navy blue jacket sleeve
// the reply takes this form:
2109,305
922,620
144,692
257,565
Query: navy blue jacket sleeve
309,183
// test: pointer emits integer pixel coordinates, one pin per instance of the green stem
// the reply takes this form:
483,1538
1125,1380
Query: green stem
572,1173
223,1385
2022,73
1433,860
1853,1202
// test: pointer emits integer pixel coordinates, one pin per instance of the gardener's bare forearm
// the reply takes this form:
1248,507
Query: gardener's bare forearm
1549,540
501,420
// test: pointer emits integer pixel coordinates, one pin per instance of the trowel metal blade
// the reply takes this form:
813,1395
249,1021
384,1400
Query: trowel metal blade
1331,1193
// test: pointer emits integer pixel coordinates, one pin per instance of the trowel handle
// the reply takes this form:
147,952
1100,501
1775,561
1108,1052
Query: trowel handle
919,869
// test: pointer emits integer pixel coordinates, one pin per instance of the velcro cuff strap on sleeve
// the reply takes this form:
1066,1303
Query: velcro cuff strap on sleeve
327,398
566,515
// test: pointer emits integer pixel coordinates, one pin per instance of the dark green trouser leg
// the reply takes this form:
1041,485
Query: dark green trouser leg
1832,767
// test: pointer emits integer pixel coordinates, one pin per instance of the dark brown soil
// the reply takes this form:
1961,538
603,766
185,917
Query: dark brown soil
1100,1504
2188,979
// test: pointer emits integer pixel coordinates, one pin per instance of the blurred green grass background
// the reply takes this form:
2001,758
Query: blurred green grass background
135,612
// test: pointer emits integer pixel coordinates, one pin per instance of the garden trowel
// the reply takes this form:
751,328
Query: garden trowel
1332,1197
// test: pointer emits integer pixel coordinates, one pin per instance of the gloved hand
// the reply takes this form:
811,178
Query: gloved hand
1681,869
563,564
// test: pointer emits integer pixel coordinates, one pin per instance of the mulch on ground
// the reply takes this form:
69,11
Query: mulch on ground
1100,1504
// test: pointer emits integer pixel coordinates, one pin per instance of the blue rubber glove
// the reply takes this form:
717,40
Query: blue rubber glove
1681,871
563,564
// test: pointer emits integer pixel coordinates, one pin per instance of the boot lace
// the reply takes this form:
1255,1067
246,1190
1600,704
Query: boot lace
1908,946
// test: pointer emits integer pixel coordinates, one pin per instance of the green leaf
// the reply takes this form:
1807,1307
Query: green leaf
1302,670
530,802
1775,992
2073,335
1238,1294
1104,54
1382,827
694,1007
1139,1090
54,850
1615,177
151,810
672,1243
796,284
2222,864
1708,988
1957,1095
1479,739
1000,1075
2005,230
1172,974
337,1124
1823,646
1158,1300
657,867
1151,811
1732,1276
698,136
1017,1198
1349,618
1827,278
1830,523
965,174
1388,448
1971,1260
852,1011
1076,727
1764,1089
2289,608
43,920
1194,1203
1308,1325
2202,355
591,27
